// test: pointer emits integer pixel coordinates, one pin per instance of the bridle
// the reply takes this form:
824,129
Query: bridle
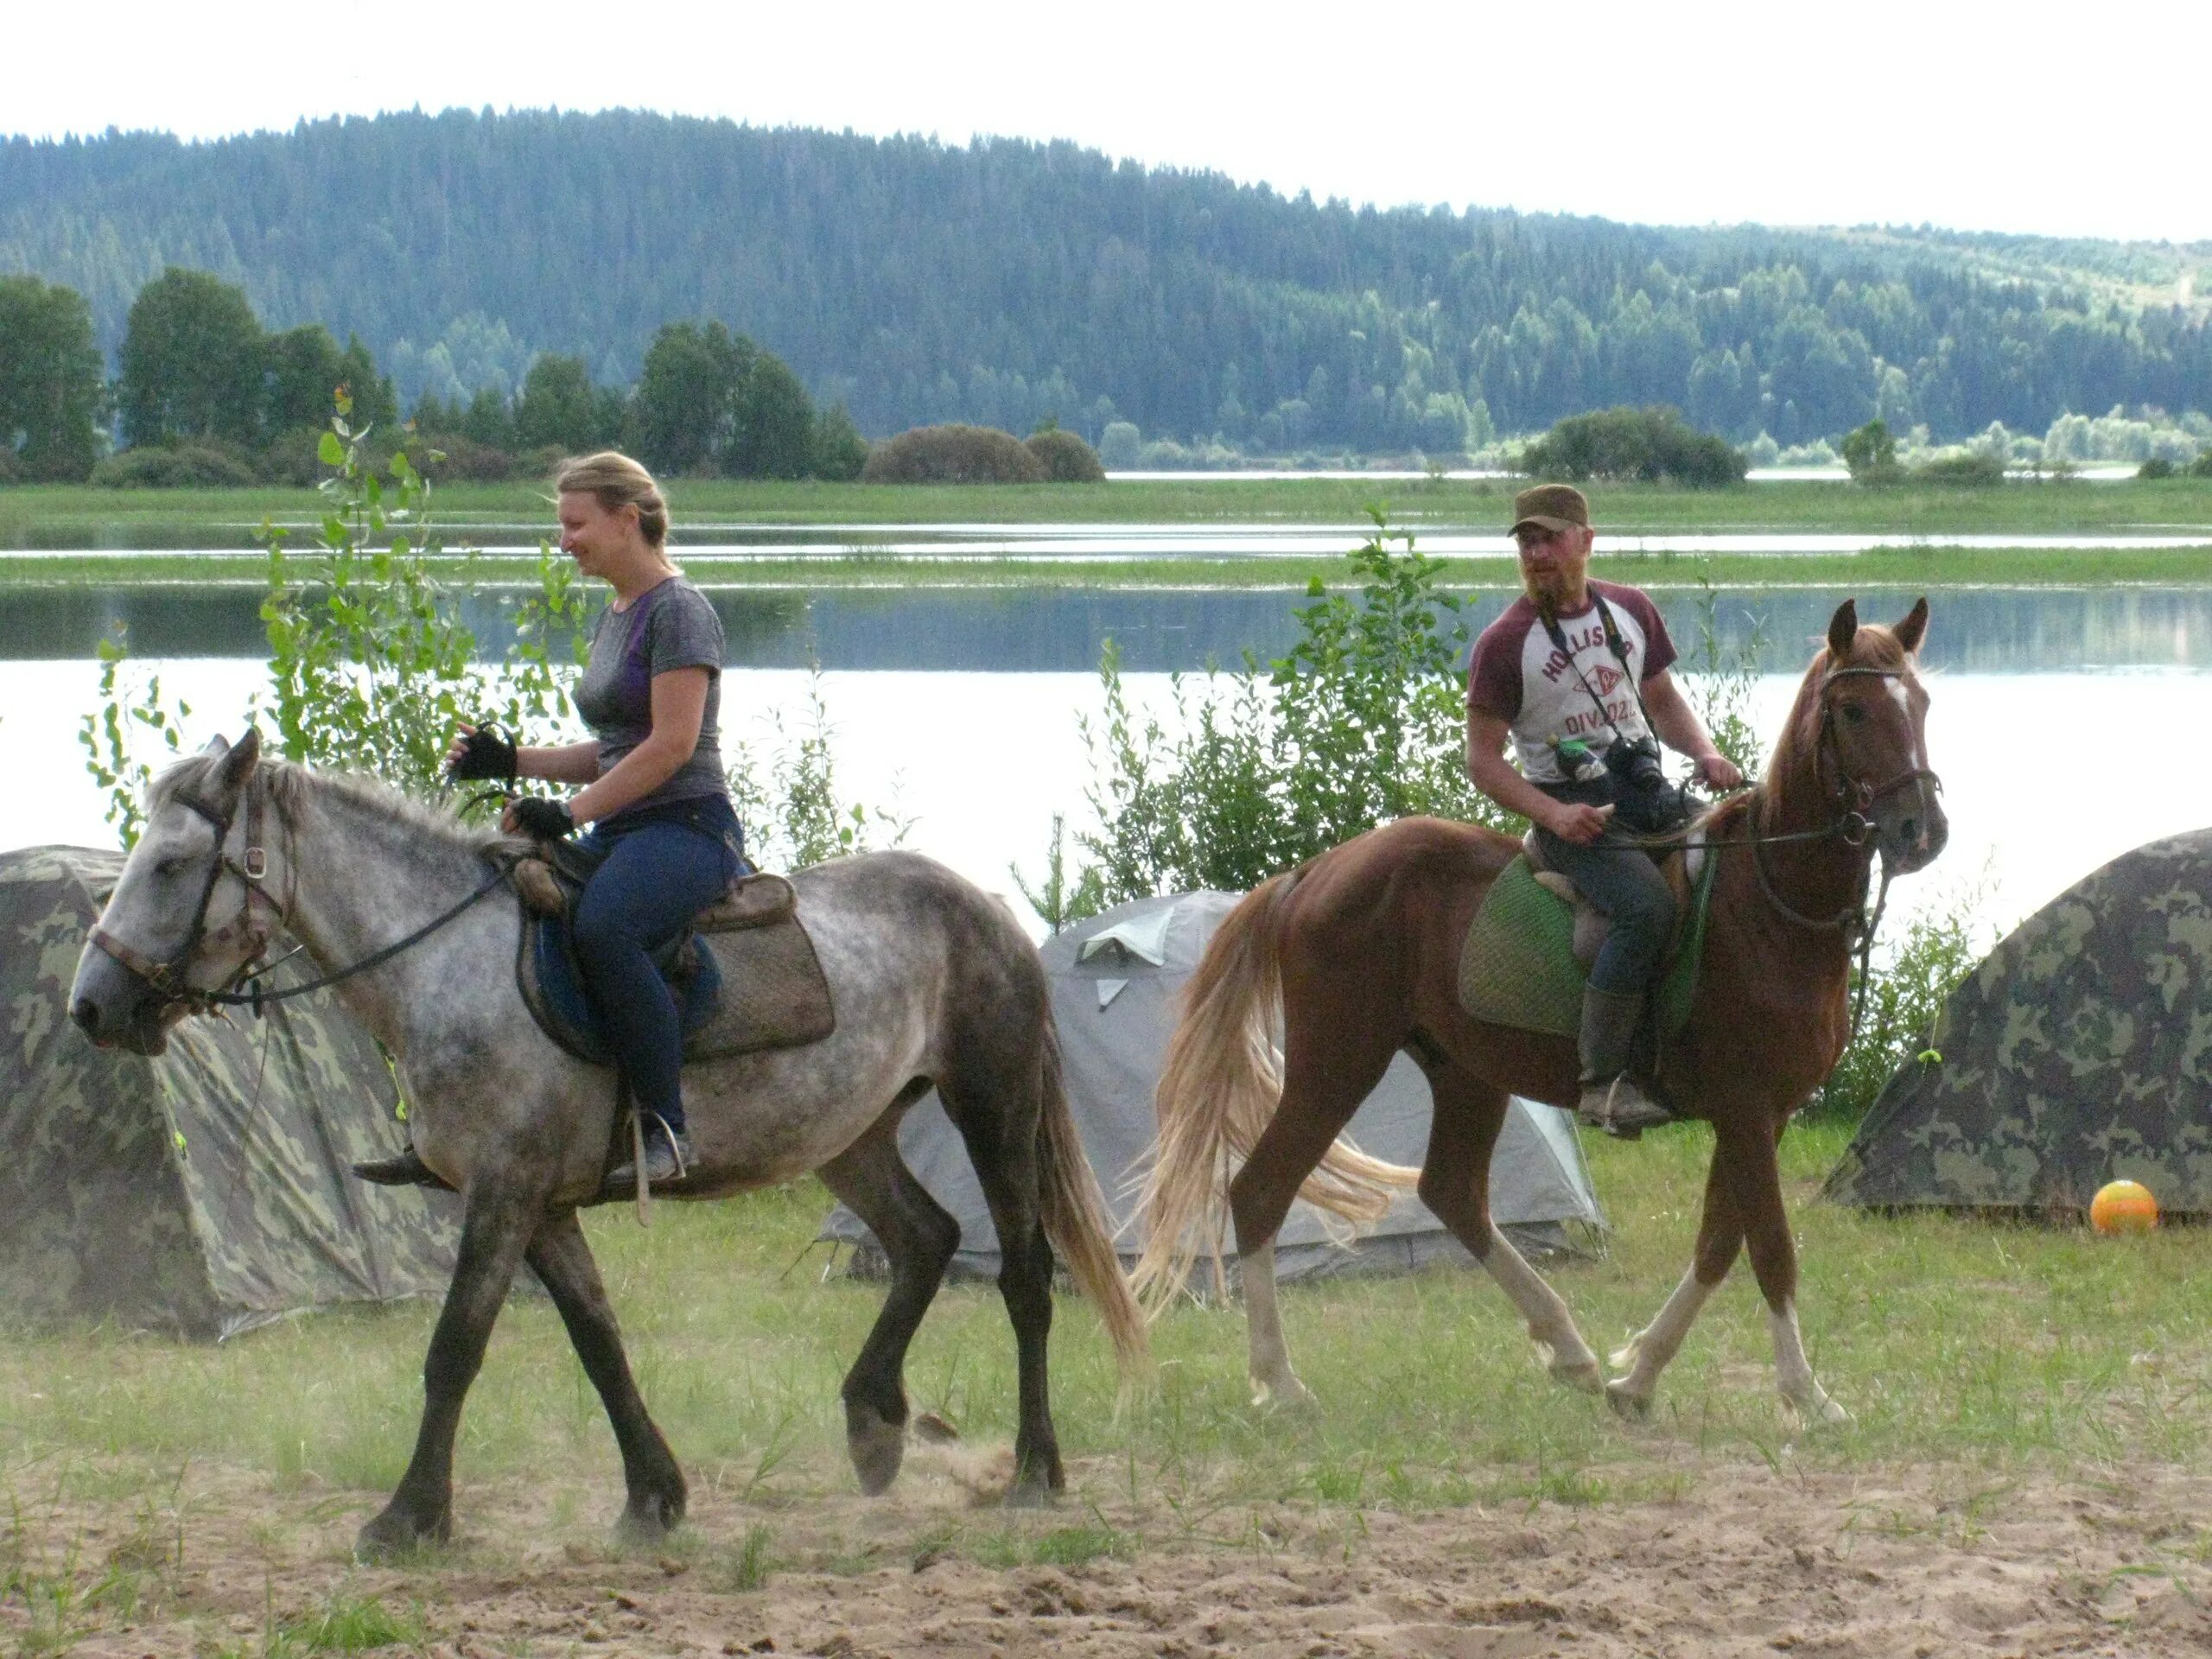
1855,800
165,977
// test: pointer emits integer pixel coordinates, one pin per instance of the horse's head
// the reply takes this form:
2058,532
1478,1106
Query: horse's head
1871,750
153,951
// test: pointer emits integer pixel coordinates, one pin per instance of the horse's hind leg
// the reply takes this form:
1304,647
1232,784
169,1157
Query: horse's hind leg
1455,1185
496,1226
1719,1235
997,1117
919,1238
563,1261
1329,1065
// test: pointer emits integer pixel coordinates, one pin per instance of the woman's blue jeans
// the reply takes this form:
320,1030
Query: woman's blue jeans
663,865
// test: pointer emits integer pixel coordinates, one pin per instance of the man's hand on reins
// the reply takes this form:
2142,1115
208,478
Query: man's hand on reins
1717,770
536,817
1576,825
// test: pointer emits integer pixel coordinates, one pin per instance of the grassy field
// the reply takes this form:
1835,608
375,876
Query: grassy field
70,516
2000,1352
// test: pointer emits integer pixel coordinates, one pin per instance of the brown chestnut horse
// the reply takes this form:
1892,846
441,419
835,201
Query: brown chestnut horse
1360,948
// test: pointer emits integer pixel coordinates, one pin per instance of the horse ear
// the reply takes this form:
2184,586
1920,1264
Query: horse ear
1843,628
238,760
218,747
1914,628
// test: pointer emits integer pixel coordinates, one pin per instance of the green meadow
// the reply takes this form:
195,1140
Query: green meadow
1997,1350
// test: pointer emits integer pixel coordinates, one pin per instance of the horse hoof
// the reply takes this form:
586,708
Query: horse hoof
876,1447
1031,1494
1634,1408
649,1517
1287,1393
399,1532
1823,1413
1585,1375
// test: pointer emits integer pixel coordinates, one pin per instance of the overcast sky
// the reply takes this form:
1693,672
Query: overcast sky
1972,116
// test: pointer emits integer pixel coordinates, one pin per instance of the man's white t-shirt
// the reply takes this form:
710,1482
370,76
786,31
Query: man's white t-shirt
1520,677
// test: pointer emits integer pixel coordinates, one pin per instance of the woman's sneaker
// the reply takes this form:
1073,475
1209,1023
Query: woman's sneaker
668,1158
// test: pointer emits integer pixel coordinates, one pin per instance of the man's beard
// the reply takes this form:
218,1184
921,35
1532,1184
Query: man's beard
1545,590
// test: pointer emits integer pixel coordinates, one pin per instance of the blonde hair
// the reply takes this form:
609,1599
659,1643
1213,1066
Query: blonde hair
615,481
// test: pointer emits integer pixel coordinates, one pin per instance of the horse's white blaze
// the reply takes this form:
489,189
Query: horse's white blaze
1904,707
1551,1327
1652,1349
1271,1377
1793,1372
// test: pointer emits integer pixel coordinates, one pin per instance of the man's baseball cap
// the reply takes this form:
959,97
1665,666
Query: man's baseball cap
1555,506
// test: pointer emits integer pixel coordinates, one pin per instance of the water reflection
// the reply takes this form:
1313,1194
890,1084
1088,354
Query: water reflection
1977,630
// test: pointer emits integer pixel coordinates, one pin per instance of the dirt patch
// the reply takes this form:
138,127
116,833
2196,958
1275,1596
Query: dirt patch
1745,1560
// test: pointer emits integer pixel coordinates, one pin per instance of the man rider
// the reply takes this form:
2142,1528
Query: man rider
1557,666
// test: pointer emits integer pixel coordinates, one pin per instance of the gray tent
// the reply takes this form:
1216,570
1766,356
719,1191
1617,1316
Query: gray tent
1115,980
2079,1052
204,1191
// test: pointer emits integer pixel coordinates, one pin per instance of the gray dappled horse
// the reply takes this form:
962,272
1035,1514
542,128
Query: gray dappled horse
933,983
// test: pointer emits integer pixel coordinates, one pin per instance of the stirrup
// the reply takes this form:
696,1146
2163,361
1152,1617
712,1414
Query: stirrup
1621,1108
623,1179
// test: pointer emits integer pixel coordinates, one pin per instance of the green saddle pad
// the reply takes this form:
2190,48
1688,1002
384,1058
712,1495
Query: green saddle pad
1517,967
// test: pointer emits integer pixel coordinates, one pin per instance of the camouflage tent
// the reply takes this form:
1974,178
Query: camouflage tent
2079,1052
204,1191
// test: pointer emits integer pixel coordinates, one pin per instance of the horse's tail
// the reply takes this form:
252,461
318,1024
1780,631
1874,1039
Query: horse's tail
1220,1086
1073,1210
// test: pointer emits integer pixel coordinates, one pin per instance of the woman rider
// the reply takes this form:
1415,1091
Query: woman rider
654,789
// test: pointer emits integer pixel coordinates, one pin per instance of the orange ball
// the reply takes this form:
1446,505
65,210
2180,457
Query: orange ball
2123,1207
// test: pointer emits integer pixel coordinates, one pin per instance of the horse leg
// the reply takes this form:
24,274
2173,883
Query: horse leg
1002,1146
1647,1353
1455,1185
918,1237
1323,1086
563,1261
496,1224
1755,1183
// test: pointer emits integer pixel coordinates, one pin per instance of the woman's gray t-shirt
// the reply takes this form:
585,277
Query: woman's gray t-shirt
668,626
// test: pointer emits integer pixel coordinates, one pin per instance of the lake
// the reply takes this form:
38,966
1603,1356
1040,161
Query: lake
2058,716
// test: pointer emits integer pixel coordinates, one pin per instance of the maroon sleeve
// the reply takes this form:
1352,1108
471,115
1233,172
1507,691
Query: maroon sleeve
1659,652
1494,674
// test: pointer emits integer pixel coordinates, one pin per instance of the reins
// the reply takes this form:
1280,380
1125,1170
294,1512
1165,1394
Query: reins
165,977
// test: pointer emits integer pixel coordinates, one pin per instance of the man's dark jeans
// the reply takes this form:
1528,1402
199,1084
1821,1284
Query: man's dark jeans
1622,881
663,865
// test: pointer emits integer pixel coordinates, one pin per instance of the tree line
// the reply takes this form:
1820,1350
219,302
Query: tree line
204,394
1003,282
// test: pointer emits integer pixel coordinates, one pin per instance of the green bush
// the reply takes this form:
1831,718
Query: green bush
2202,466
456,456
11,470
839,451
1065,457
184,466
1906,991
1973,469
952,454
1870,452
2157,466
1652,444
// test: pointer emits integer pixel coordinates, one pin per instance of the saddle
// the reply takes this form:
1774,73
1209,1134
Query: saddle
1528,953
744,973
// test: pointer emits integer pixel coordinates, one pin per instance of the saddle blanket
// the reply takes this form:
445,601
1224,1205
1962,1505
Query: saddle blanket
1517,967
736,993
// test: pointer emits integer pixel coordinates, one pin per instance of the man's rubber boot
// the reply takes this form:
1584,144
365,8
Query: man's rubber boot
1612,1100
406,1169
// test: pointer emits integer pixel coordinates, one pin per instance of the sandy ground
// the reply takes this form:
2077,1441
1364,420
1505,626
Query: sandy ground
1748,1559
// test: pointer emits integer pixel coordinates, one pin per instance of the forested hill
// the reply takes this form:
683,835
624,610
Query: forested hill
1005,282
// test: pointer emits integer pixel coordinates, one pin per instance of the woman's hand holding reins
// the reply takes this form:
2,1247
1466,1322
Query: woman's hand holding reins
479,753
538,817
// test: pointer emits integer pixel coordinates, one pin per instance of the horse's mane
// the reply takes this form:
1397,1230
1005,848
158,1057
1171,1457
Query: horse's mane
291,785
